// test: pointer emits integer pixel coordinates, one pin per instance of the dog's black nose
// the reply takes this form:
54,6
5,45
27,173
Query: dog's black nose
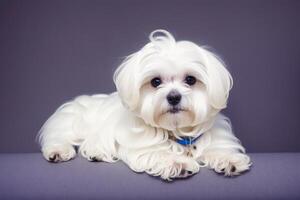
174,98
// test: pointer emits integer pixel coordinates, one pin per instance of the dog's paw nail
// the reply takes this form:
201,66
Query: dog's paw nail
53,158
94,159
115,158
233,169
185,173
182,173
222,170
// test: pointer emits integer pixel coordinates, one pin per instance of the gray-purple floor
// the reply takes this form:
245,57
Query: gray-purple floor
29,176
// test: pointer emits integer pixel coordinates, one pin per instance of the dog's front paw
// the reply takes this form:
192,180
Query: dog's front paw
59,153
171,169
228,164
189,168
91,153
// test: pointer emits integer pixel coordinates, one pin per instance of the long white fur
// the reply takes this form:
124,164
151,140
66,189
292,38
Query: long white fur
134,125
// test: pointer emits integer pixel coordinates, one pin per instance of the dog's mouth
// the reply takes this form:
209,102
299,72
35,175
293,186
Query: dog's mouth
175,110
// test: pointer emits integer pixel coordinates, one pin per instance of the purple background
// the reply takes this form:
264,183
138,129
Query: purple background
52,51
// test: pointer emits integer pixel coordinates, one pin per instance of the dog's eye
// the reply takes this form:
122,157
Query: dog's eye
190,80
155,82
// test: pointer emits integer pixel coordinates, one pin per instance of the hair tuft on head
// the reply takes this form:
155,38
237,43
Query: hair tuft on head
161,35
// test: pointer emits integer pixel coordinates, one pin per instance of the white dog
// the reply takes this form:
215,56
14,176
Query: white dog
164,118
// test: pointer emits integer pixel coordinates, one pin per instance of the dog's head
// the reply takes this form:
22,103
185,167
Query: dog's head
173,84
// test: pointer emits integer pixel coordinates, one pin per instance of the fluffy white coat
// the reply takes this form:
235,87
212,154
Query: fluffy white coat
138,125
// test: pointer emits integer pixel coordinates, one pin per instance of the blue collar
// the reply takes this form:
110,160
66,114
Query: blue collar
185,141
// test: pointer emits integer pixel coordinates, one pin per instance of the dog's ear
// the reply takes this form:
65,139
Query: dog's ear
127,77
219,80
127,82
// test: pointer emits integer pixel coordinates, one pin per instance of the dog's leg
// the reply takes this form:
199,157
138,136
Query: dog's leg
223,152
67,127
161,161
100,146
229,163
